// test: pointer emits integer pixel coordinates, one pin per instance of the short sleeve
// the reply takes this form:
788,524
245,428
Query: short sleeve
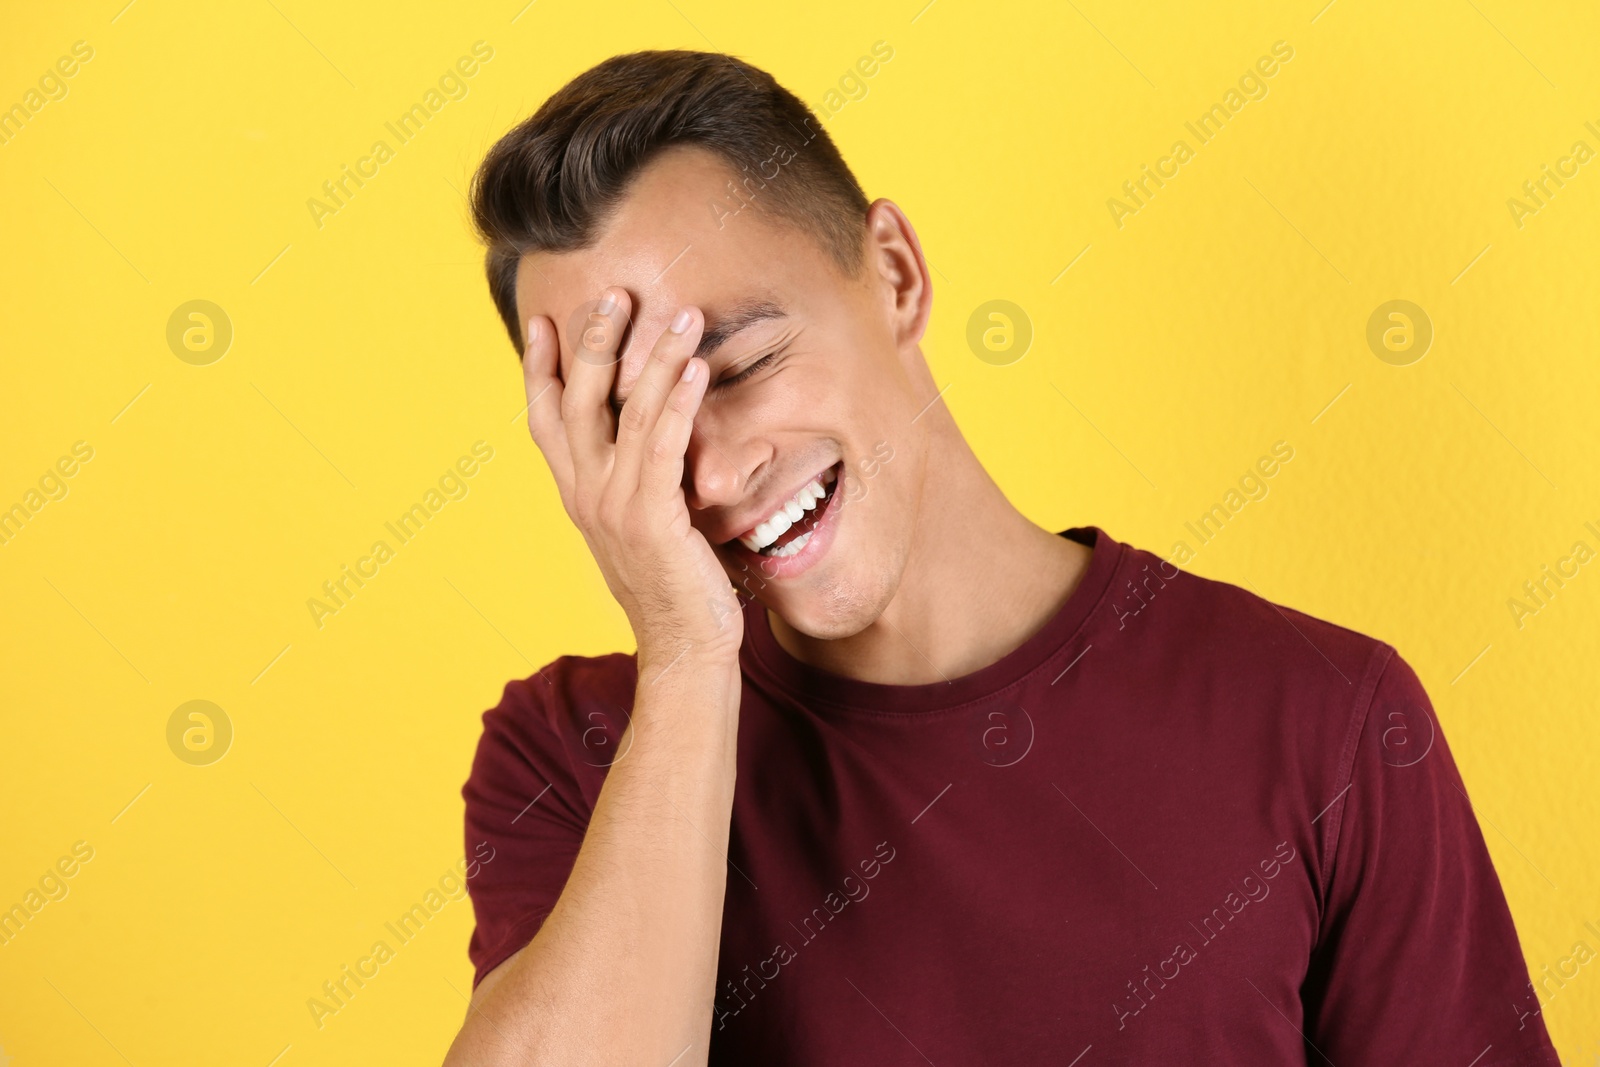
1417,960
524,824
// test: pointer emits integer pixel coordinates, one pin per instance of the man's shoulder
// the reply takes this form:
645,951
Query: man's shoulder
1275,694
566,697
1240,628
570,680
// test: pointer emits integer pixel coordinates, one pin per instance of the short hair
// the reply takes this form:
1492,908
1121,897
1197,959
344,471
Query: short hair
550,183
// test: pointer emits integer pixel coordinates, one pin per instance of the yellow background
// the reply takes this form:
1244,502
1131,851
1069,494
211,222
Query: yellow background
1227,314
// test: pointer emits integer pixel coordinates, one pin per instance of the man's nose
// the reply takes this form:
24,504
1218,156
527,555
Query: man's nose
712,473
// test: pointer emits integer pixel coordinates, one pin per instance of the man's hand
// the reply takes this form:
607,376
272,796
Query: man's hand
621,478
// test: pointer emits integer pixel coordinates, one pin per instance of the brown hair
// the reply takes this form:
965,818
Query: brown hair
549,183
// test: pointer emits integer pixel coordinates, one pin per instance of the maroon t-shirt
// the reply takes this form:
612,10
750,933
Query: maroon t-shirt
1178,824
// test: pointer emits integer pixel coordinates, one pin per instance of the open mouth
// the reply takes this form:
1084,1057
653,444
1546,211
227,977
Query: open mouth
789,529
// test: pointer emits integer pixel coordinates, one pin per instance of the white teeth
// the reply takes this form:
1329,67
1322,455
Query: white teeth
792,511
793,546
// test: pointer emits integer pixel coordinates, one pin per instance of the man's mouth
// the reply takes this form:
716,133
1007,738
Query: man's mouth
789,528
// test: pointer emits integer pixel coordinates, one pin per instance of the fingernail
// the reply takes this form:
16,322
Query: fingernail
533,329
689,370
608,303
680,321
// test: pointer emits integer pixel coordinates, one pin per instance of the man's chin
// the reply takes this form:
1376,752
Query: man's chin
817,615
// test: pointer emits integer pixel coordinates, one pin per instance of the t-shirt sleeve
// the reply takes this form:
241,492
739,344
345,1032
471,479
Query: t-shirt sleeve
525,821
1417,960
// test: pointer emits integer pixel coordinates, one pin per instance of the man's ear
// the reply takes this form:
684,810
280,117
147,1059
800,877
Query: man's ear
894,261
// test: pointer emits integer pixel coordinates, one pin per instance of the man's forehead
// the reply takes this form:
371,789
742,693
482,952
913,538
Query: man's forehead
659,278
565,287
670,242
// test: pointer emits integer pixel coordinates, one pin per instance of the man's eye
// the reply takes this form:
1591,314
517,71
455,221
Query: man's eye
748,371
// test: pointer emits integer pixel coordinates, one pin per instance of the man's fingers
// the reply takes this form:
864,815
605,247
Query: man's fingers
541,375
648,397
661,477
586,400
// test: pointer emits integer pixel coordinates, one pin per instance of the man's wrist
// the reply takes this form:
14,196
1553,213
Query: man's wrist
660,664
688,674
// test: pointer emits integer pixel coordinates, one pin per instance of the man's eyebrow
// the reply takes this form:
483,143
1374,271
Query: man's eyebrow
742,316
739,318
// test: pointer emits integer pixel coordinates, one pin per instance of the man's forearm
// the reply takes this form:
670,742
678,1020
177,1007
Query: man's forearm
624,968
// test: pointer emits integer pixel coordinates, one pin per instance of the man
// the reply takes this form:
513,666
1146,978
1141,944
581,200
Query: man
896,775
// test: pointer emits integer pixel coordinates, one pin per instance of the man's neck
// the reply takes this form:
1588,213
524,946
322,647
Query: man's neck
980,580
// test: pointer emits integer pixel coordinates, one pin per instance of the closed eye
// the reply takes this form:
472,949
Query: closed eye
747,372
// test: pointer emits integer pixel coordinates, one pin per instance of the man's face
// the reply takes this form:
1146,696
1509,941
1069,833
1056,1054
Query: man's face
841,392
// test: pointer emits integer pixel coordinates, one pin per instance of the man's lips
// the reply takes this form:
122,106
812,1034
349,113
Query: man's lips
754,518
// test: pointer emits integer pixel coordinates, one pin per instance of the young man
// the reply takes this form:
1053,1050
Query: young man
895,775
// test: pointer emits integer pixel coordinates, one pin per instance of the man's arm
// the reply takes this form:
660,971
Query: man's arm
624,968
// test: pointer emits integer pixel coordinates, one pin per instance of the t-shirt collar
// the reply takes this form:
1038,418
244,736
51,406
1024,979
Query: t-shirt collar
769,665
